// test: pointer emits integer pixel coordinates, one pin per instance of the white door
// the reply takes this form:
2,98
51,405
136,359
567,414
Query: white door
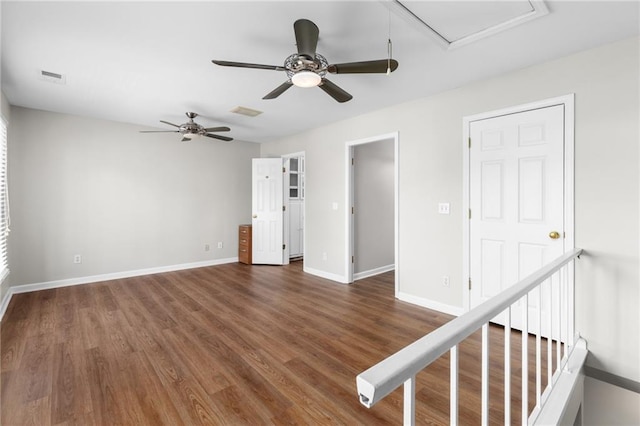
516,199
268,213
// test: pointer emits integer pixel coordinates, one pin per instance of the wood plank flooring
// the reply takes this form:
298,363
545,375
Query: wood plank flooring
230,344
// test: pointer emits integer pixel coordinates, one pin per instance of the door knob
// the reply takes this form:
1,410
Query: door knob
255,216
554,235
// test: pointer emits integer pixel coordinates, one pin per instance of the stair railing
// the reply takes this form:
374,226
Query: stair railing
402,367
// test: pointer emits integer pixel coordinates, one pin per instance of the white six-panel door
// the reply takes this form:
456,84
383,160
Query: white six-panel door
267,204
516,199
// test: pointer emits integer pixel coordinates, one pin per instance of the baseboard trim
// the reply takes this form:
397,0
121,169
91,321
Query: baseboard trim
612,379
431,304
26,288
327,275
373,272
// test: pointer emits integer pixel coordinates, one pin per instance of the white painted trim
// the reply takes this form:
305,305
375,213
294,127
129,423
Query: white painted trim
431,304
26,288
294,154
326,275
373,272
349,146
349,202
286,183
466,248
568,101
302,201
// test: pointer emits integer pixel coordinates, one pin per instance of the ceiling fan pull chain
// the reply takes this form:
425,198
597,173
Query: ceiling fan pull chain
389,51
389,47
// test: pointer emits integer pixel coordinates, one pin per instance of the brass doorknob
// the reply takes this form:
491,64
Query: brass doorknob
554,235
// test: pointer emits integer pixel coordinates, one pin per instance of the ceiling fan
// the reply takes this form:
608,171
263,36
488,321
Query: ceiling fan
307,68
192,129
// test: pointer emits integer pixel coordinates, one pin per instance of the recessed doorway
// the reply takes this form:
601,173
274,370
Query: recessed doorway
372,213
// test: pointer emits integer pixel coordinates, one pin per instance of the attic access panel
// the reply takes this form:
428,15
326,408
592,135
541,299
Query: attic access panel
456,23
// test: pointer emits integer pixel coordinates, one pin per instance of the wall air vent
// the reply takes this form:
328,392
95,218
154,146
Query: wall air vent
246,111
52,77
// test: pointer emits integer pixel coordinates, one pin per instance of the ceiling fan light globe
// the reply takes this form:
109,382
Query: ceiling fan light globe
306,79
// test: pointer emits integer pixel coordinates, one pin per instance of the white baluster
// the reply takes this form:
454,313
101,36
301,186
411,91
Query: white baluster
453,386
539,349
559,344
507,367
550,337
410,402
525,360
485,374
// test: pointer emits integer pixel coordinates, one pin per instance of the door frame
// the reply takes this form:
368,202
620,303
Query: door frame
569,141
286,157
349,199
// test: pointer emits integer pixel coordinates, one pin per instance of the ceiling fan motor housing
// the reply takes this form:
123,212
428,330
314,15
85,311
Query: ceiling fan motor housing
192,128
297,62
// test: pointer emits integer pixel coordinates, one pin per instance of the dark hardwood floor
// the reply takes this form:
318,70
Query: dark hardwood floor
230,344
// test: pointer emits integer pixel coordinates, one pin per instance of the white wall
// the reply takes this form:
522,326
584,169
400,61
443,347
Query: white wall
605,404
374,188
125,201
605,82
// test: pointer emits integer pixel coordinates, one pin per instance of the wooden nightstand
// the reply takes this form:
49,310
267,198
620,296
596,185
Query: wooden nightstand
244,244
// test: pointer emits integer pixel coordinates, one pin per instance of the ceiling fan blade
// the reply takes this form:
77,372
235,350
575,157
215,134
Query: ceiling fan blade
378,66
278,90
222,138
170,124
247,65
217,129
334,91
306,37
159,131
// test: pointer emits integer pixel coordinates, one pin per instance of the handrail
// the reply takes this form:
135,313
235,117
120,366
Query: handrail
383,378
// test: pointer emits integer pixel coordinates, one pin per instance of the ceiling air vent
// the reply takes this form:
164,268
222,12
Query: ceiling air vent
52,77
246,111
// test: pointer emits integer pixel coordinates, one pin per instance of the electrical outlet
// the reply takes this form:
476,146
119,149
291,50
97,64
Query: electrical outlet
445,281
443,208
324,255
220,245
77,258
207,247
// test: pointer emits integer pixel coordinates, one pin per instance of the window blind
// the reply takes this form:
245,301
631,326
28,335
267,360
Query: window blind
4,202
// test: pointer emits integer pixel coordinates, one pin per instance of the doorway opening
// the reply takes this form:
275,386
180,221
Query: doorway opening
294,188
372,213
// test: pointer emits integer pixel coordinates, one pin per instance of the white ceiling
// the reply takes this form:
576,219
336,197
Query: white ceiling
141,62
